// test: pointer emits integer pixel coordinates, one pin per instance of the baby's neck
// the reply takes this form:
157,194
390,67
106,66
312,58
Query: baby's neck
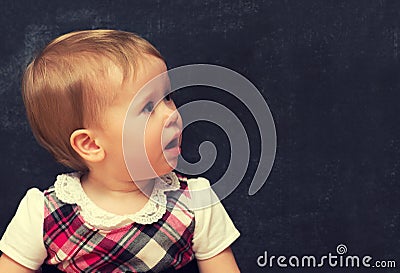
117,196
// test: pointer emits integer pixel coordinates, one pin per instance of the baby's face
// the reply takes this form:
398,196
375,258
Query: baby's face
143,127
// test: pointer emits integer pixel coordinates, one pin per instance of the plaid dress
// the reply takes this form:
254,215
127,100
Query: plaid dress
75,246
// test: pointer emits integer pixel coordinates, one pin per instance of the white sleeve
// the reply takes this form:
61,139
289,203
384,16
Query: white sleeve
214,229
23,238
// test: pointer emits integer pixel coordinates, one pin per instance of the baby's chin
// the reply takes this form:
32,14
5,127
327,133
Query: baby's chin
170,168
167,166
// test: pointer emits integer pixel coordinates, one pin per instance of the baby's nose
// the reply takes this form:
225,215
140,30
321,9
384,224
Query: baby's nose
171,117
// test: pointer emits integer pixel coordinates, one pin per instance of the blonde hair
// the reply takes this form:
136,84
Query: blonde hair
64,88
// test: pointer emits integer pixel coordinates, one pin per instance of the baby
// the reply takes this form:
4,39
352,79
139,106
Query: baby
82,95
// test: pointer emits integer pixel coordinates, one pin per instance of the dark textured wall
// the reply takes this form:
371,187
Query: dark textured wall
329,71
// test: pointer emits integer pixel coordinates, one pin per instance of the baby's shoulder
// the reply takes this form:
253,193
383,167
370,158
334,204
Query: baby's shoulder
198,192
31,204
196,183
32,196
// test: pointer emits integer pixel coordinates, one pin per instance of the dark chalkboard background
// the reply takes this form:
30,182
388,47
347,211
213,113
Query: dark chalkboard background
329,71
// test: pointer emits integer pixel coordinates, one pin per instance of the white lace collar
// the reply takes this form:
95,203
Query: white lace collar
69,190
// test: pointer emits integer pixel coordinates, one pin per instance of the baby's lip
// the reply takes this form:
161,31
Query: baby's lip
176,139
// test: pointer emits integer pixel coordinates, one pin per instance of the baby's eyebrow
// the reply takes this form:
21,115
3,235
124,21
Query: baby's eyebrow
154,88
144,95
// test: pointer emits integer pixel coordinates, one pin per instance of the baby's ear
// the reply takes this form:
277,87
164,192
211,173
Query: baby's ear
84,143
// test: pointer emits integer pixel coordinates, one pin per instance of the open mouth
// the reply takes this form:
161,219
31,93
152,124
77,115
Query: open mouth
172,144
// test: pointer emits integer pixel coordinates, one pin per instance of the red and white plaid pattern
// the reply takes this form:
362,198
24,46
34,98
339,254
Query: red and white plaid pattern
75,246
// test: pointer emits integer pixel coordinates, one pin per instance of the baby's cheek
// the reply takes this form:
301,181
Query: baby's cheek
155,154
153,145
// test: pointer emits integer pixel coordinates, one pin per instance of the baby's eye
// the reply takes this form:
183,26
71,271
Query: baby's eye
149,107
168,97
